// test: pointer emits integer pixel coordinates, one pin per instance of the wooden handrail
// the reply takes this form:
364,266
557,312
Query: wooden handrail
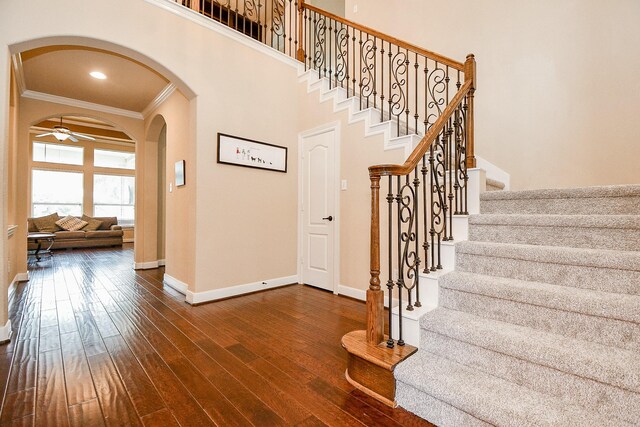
401,43
427,140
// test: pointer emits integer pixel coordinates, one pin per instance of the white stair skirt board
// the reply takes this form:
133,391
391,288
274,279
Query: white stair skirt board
176,284
146,265
232,291
494,172
5,332
370,116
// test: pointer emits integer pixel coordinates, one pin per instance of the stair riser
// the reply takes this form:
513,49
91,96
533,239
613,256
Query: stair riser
602,279
576,325
574,237
610,400
572,206
432,409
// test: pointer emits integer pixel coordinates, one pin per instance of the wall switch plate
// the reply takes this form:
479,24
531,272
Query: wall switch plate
355,8
343,184
171,187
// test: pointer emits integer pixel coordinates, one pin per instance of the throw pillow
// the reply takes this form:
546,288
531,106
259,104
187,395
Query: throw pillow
92,223
71,223
47,224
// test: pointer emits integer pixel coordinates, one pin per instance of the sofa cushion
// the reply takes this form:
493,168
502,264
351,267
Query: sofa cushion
31,226
65,235
93,224
103,233
71,223
47,224
107,222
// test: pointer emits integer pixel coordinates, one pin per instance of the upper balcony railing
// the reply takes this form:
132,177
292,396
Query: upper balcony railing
419,92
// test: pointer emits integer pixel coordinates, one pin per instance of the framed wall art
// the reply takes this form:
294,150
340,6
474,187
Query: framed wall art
180,178
233,150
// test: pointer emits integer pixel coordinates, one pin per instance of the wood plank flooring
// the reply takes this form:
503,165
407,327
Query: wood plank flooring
96,343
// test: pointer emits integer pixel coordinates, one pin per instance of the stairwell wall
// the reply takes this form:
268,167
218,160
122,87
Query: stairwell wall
553,105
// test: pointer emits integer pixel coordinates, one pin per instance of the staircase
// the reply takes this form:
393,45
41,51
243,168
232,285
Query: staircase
539,324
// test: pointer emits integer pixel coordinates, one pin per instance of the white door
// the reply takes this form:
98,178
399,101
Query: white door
318,209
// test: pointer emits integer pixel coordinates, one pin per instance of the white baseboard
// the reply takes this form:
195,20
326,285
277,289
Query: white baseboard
5,332
161,263
360,294
216,294
20,277
176,284
146,265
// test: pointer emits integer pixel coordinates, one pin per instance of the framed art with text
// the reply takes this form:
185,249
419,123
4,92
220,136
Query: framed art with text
233,150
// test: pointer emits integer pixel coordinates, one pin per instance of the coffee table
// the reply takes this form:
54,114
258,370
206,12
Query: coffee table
38,239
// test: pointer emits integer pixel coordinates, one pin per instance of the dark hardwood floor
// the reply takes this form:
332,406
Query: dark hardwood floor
96,343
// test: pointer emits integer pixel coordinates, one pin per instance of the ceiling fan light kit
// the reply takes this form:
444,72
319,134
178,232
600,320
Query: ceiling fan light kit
62,133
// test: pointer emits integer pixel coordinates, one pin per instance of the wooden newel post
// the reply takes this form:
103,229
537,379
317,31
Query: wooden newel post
470,74
375,296
300,53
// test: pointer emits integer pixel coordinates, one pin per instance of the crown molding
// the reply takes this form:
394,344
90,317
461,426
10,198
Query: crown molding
158,100
81,104
18,70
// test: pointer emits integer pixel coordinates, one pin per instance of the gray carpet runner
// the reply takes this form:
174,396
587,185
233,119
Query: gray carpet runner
539,324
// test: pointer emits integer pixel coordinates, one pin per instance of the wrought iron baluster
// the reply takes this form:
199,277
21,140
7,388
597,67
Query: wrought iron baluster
290,29
406,100
416,234
415,106
375,72
353,55
425,243
382,80
390,283
400,281
330,54
367,61
397,95
426,95
360,67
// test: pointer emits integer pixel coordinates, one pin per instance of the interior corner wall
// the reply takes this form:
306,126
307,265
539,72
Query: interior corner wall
12,194
5,82
179,225
556,103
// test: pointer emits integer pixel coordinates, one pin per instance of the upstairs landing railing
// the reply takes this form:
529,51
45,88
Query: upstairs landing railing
418,92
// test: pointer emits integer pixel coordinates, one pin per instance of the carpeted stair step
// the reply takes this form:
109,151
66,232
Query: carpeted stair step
606,200
479,399
606,364
602,317
617,232
597,269
568,387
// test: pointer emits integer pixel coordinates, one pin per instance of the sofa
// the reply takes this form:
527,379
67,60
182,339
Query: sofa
108,233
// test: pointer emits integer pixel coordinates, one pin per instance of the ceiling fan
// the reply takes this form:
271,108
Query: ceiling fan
62,133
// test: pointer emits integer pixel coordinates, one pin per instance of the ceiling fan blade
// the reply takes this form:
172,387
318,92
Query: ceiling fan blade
72,138
81,135
44,134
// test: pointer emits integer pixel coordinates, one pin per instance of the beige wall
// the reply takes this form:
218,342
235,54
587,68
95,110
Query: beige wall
556,103
334,6
170,122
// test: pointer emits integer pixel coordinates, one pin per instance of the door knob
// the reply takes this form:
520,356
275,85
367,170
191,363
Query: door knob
330,218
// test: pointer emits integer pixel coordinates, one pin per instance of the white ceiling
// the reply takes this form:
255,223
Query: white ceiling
64,71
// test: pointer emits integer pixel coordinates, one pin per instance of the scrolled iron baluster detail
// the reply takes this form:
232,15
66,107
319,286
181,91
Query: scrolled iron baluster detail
342,55
410,260
398,99
438,199
277,23
462,175
368,52
436,88
319,54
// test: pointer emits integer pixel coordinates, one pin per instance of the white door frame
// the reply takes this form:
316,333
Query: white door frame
335,127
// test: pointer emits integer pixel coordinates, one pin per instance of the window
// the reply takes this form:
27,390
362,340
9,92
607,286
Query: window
114,159
114,195
55,191
57,153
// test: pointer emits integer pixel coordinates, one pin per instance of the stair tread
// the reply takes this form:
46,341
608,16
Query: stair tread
565,193
582,221
600,258
489,398
610,305
609,365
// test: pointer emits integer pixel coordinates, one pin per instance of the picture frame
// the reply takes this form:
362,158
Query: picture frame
238,151
180,173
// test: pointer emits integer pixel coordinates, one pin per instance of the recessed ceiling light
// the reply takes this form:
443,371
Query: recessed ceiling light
98,75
